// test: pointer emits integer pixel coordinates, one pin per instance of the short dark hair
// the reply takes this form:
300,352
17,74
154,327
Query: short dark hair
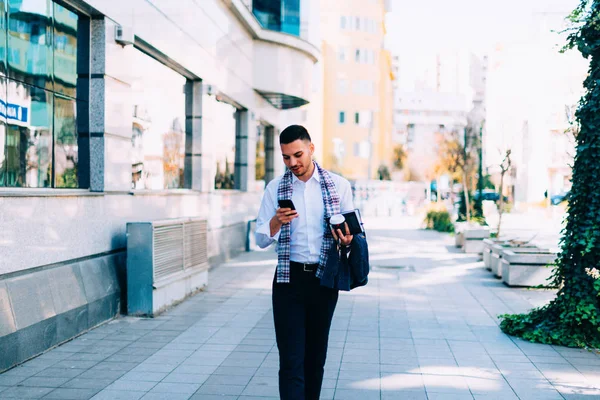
293,133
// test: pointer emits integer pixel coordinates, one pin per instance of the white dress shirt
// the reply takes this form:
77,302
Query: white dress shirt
307,228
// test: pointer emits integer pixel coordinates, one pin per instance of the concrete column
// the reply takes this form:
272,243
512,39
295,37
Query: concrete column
193,177
269,154
96,106
83,107
245,151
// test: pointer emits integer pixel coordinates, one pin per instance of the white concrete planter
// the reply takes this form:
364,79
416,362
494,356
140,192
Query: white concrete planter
527,268
487,250
459,238
473,239
498,251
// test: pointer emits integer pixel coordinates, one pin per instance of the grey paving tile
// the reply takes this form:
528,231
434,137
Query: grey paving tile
118,395
144,376
41,362
166,396
261,391
221,390
39,381
195,369
266,371
496,396
102,374
71,394
127,358
141,386
186,378
82,383
75,364
403,395
240,380
22,370
7,380
187,388
86,357
353,394
212,397
114,366
60,372
449,396
258,397
23,392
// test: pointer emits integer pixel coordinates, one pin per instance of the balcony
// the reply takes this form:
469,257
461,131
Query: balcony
283,59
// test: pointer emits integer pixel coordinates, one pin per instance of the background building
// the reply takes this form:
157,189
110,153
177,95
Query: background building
530,106
434,94
114,112
357,75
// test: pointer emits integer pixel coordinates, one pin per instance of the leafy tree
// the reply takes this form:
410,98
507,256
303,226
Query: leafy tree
384,173
573,317
457,157
504,168
399,157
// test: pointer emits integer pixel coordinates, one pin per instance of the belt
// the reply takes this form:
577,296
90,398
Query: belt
305,267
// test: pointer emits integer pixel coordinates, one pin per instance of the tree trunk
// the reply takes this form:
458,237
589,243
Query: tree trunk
466,192
501,204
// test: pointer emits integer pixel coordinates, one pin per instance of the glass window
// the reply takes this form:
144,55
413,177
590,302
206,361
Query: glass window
3,133
158,131
357,23
38,127
3,42
356,118
218,128
30,42
65,143
261,154
357,55
28,148
341,53
342,117
342,86
343,22
278,15
65,51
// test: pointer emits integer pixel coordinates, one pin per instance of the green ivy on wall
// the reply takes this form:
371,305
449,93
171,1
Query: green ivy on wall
573,317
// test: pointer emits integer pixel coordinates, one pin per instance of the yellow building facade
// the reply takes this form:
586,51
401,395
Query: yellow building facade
357,88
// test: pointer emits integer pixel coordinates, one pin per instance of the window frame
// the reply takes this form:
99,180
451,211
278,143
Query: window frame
81,100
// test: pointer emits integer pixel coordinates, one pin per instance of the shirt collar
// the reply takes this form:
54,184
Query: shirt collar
314,176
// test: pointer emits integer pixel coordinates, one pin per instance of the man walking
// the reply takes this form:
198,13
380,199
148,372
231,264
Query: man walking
302,308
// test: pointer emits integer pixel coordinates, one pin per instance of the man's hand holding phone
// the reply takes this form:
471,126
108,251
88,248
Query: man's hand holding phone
284,215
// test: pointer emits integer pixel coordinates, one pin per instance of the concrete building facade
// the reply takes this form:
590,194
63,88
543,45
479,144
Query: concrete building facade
357,76
117,112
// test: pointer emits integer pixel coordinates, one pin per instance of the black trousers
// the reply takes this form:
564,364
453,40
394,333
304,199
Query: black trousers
302,310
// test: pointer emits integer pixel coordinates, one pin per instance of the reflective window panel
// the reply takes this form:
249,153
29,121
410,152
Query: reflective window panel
30,42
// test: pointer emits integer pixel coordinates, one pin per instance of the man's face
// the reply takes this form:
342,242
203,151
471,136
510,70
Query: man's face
297,156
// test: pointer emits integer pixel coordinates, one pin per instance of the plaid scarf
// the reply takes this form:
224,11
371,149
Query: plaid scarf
331,202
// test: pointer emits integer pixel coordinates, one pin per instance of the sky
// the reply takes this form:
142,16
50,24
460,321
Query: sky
473,25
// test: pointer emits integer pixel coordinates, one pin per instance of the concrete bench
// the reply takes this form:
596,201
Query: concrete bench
527,268
498,252
473,239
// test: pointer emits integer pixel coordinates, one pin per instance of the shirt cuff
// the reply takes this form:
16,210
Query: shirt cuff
265,229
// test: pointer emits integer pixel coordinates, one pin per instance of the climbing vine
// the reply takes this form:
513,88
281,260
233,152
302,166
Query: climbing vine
573,317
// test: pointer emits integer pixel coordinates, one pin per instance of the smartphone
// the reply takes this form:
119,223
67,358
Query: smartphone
286,204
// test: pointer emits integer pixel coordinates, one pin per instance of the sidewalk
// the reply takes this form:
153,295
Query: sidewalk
426,330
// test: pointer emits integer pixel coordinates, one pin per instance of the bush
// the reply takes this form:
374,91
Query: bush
439,221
